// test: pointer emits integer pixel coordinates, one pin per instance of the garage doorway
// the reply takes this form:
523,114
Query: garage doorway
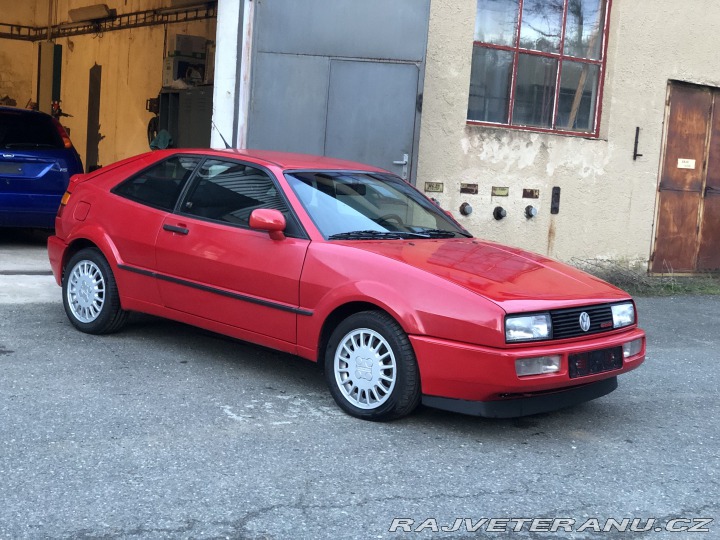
340,78
688,208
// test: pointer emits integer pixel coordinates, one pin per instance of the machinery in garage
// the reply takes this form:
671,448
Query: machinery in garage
184,116
183,108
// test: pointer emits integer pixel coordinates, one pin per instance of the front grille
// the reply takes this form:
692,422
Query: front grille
566,322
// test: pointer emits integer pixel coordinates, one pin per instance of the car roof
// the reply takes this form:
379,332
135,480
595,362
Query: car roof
284,160
20,110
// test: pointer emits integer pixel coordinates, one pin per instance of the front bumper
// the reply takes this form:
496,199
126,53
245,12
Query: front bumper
524,406
482,380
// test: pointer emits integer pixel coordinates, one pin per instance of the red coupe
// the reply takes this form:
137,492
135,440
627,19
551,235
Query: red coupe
346,265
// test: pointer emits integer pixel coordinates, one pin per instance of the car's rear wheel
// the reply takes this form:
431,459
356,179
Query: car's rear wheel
370,367
90,294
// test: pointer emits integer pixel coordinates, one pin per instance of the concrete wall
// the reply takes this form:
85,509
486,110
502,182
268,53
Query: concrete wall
607,200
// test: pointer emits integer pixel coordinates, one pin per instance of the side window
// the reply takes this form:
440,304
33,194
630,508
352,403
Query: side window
229,191
160,185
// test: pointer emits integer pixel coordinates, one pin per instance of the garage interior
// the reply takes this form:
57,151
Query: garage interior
116,73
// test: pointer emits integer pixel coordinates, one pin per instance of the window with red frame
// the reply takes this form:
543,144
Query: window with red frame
539,64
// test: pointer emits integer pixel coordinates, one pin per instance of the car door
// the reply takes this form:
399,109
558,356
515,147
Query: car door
213,265
136,215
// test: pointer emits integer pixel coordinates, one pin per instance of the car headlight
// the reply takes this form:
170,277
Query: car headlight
623,315
528,327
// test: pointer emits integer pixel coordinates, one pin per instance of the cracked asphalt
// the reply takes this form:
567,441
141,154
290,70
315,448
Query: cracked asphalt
165,431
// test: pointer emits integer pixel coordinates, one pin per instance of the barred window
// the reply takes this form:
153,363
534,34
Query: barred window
539,64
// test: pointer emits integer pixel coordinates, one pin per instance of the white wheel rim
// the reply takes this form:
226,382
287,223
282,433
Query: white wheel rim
365,368
86,291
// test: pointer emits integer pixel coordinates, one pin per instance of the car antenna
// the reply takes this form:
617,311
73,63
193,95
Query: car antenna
227,146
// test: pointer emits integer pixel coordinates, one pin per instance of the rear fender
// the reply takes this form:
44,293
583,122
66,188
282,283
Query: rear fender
92,235
143,284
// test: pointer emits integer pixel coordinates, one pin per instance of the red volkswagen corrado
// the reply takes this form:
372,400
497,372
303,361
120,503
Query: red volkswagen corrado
346,265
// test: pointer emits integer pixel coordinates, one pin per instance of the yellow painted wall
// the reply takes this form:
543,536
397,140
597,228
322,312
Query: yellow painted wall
131,63
131,60
17,58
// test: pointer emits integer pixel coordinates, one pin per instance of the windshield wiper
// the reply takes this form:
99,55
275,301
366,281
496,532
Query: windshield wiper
376,235
419,232
437,233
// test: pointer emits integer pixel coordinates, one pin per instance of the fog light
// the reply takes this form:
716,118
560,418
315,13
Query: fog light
537,366
631,348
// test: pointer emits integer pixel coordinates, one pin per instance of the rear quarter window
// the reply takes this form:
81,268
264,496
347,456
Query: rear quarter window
160,185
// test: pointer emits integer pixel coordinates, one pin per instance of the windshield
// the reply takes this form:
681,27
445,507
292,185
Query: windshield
369,206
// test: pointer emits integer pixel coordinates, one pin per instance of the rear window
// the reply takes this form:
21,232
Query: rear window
26,130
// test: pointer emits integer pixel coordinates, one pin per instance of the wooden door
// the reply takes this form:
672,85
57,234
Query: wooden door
688,222
708,259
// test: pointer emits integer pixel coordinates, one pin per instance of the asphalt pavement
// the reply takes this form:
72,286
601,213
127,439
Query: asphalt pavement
166,431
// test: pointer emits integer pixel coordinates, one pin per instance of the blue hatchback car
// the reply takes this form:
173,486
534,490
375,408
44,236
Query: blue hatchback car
37,160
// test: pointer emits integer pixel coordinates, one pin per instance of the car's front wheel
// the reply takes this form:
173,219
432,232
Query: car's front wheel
90,294
370,367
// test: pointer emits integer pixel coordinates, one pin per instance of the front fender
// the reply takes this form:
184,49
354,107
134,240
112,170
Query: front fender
422,303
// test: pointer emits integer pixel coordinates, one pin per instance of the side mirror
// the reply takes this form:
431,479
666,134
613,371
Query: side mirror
272,221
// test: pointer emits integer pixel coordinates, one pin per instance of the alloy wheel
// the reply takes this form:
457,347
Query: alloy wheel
86,291
365,368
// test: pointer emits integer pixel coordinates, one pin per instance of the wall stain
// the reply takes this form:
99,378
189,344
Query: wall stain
551,237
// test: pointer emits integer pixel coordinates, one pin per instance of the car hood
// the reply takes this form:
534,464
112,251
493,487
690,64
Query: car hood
514,279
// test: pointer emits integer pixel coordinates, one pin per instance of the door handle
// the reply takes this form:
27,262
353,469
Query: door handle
175,229
404,162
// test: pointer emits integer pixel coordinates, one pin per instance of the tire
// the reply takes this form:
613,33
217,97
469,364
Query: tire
370,367
90,294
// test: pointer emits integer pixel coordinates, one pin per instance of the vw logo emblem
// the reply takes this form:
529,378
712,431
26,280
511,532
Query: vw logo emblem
584,321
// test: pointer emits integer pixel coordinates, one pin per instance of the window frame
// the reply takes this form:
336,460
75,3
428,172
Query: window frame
291,175
294,227
560,57
117,189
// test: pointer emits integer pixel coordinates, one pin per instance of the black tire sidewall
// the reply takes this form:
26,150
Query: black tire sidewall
404,360
111,304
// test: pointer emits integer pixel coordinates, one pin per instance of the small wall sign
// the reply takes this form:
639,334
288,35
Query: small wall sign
500,191
470,189
686,163
434,187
